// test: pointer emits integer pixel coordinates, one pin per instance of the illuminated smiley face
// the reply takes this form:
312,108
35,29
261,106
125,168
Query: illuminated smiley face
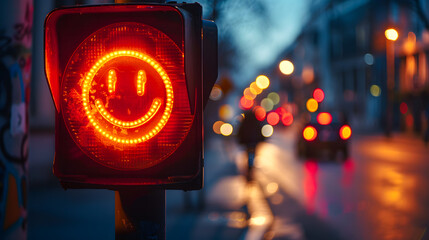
124,96
127,97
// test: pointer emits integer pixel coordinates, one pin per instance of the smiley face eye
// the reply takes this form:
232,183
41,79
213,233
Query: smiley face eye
141,82
111,81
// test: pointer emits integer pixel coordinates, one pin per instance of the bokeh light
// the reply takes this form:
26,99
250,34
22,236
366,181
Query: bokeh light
255,87
312,105
324,118
274,97
403,108
309,133
286,67
272,187
369,59
281,110
318,95
249,93
216,93
216,126
267,104
260,113
391,34
273,118
287,119
226,129
409,120
375,90
345,132
267,130
226,112
246,103
308,74
262,82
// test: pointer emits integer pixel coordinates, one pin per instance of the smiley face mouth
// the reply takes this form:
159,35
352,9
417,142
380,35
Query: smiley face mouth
155,106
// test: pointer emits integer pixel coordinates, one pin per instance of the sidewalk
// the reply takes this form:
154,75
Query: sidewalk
224,215
89,214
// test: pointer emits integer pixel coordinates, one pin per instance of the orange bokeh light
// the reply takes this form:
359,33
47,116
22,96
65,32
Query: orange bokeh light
249,93
309,133
216,127
312,105
246,103
260,113
255,88
324,118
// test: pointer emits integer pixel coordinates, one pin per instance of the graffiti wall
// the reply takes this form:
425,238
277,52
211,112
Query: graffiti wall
16,19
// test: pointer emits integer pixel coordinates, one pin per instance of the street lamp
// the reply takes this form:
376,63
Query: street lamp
391,36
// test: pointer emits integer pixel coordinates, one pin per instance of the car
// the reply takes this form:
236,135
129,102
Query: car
325,133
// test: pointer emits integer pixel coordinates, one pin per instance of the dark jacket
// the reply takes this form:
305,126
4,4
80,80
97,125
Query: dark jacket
249,133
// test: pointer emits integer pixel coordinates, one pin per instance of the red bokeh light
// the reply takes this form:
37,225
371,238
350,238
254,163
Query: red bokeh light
287,119
403,108
409,120
273,118
246,103
318,95
281,111
260,113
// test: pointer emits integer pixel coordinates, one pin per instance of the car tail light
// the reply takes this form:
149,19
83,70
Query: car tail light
345,132
324,118
309,133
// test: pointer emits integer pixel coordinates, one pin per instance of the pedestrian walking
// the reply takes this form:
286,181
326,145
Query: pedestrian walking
249,135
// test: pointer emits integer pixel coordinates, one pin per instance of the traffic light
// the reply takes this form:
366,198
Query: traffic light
127,84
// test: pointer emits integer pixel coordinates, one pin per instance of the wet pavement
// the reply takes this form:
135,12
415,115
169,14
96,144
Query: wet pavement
217,212
380,192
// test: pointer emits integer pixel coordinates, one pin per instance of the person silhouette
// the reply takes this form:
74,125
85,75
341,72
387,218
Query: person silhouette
249,135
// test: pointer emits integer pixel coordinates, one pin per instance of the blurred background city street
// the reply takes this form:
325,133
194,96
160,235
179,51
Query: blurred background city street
340,93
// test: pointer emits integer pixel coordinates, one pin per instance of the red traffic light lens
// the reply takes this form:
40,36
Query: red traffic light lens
123,95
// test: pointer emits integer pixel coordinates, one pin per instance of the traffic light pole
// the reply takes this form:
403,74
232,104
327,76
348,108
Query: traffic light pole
140,214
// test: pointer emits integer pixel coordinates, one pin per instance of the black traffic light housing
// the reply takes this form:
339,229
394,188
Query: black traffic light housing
67,28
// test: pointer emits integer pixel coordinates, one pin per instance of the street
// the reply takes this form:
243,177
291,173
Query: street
380,192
